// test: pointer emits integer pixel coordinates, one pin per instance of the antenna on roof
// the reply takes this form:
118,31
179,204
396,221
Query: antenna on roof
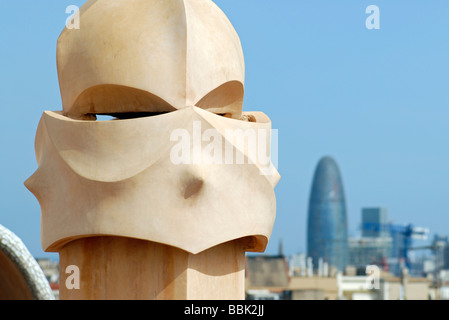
281,247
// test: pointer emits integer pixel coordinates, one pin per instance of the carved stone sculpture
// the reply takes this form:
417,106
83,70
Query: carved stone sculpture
151,56
181,178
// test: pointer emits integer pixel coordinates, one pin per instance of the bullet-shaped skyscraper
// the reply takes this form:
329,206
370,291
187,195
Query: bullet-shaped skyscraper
327,229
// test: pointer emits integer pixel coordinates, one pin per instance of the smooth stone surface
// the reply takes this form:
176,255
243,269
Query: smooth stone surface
118,178
112,268
150,56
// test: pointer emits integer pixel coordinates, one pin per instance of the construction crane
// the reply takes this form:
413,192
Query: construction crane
408,232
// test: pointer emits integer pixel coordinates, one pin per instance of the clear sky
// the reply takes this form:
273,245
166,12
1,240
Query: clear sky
375,100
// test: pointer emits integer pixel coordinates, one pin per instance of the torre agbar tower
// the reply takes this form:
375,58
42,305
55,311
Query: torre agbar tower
327,230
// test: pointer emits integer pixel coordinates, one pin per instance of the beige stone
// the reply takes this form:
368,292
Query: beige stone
118,178
150,56
113,268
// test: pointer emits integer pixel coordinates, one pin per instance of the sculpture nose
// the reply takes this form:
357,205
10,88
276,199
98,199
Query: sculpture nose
193,187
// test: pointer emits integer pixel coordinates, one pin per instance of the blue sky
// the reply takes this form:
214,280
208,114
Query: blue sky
375,100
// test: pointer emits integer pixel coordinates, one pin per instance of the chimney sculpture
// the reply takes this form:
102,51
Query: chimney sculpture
164,201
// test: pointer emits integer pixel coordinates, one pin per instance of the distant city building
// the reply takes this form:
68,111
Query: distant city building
267,271
369,251
298,265
269,278
327,230
374,223
375,246
399,241
396,260
446,258
440,247
387,245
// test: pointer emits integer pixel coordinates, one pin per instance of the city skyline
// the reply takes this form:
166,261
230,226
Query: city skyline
376,100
